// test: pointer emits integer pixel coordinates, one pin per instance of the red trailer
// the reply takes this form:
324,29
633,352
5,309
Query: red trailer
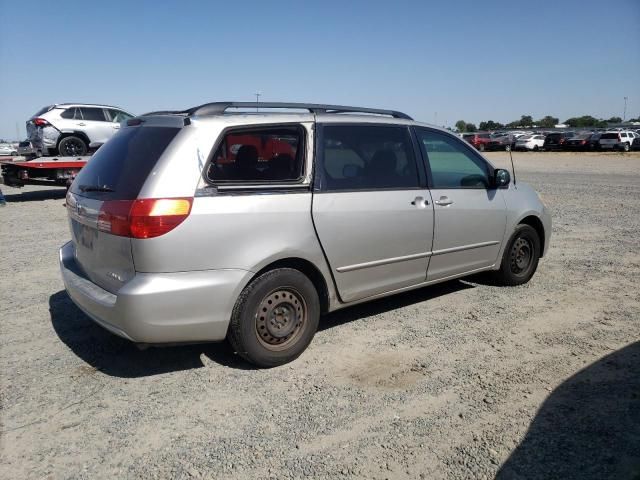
41,171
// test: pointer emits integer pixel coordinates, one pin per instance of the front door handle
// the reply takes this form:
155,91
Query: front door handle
443,201
82,124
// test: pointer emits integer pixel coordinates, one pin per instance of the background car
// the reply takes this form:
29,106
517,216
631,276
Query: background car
529,142
620,140
501,141
26,149
580,142
7,149
556,140
478,140
72,129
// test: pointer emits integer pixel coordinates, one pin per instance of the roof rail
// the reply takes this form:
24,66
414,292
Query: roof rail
219,108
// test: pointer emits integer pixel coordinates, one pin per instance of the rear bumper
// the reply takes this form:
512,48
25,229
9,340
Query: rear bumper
158,307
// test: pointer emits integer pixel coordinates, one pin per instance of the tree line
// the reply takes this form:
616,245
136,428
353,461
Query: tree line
527,121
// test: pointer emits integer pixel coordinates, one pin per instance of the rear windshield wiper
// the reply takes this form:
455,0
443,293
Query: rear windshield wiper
95,188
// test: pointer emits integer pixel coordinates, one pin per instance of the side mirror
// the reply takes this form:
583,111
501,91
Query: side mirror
501,177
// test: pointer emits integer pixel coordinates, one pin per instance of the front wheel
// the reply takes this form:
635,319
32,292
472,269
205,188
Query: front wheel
625,147
536,148
507,148
275,318
520,258
72,147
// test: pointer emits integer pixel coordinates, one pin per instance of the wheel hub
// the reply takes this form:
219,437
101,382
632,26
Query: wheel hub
280,317
520,255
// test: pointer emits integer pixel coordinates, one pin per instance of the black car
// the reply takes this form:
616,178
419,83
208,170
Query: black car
501,142
556,141
579,142
636,144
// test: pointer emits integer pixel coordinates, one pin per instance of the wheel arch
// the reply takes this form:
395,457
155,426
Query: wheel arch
537,225
307,268
66,133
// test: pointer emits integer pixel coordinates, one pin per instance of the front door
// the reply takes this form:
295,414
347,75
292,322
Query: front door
470,216
373,217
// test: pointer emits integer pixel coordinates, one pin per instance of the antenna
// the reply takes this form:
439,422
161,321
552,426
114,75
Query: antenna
513,169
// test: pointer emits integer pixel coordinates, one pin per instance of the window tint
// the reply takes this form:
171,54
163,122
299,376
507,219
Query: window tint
69,113
270,154
118,116
609,136
124,162
453,165
367,158
95,114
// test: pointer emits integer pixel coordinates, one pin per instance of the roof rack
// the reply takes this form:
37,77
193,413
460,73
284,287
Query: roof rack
219,108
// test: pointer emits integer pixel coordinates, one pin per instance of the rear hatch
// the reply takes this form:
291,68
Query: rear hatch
114,175
609,139
34,132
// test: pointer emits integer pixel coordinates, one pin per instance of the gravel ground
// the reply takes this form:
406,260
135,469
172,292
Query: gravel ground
462,380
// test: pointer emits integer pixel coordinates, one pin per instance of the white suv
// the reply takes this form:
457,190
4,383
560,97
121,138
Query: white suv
72,129
620,140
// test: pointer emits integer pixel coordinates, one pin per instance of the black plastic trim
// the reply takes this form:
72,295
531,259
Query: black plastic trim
219,108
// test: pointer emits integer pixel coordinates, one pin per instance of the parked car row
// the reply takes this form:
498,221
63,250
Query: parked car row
622,140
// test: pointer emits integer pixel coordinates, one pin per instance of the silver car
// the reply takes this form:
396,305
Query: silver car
204,225
72,129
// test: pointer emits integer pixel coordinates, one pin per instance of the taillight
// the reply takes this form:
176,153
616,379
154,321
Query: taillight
40,122
144,218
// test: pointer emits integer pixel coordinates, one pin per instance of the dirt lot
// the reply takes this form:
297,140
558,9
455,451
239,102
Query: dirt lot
464,380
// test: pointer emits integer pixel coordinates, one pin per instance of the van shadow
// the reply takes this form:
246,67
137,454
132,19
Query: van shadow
37,195
118,357
588,428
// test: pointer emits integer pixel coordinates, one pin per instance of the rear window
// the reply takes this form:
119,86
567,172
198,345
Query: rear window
43,110
95,114
123,163
609,136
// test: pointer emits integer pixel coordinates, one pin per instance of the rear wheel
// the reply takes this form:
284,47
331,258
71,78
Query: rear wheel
520,258
536,148
72,147
625,147
481,147
275,318
507,148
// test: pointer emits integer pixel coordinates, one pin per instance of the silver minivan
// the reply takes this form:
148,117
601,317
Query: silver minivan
218,223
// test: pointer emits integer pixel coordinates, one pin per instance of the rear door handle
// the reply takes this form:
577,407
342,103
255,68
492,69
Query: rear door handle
443,201
420,202
82,124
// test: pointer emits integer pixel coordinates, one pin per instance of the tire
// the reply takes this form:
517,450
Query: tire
536,148
14,154
625,147
507,148
291,308
520,258
72,147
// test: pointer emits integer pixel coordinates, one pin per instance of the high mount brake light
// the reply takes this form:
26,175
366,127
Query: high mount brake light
143,218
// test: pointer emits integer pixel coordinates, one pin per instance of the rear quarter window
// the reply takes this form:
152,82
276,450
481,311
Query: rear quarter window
258,155
124,163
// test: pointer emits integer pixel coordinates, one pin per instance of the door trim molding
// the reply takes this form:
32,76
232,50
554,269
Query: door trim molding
415,256
464,247
384,261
